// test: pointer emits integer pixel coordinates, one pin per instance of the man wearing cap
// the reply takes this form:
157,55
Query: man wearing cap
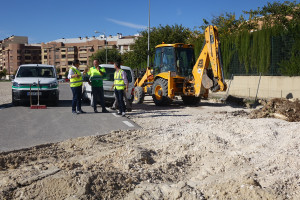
96,74
75,77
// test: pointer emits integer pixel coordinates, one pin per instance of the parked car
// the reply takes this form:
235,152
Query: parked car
108,80
38,77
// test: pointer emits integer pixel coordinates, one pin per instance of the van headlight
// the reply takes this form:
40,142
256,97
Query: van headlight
16,84
53,85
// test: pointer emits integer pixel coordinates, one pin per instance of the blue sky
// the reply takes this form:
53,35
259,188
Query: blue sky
43,21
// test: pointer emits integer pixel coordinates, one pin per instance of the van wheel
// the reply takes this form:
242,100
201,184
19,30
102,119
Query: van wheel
14,102
139,95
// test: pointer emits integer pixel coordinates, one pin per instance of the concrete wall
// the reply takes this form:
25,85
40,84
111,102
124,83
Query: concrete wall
270,86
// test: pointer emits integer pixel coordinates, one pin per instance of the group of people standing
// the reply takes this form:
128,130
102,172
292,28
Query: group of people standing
96,74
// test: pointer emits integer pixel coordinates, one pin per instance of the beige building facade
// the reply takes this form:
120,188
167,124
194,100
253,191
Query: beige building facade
15,51
63,51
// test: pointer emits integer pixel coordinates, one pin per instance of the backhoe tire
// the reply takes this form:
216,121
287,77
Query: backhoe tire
139,95
160,92
190,100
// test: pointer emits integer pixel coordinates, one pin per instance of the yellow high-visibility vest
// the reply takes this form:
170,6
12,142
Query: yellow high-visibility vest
76,82
119,81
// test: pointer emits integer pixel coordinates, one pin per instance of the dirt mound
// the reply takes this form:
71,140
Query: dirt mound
285,109
237,101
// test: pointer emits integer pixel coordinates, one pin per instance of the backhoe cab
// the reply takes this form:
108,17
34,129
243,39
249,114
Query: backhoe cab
176,73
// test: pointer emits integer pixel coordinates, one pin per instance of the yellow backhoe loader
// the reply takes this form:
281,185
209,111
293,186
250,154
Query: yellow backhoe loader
176,72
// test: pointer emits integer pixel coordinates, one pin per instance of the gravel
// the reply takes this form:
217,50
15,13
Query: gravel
211,151
5,92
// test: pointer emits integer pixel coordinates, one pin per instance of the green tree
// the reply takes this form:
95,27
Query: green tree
113,55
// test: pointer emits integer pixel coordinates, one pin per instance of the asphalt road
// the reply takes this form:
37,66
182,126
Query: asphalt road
22,127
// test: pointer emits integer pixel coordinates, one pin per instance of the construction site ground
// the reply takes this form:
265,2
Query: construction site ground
210,151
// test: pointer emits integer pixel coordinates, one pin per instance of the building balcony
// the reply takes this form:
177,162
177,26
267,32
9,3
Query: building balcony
83,59
83,51
71,59
63,53
71,52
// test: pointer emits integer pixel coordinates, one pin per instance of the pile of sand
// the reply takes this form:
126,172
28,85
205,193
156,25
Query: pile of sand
212,151
285,109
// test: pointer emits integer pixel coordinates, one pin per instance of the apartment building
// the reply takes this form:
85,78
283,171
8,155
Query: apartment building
63,51
15,51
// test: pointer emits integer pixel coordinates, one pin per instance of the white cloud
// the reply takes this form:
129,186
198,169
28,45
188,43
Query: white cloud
179,12
127,24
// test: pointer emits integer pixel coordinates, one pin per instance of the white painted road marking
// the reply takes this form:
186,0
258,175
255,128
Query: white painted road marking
115,114
128,123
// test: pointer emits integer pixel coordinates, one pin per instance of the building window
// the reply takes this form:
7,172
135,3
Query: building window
70,55
99,47
70,62
19,57
83,62
63,69
56,56
71,49
27,51
33,57
27,57
45,57
57,50
83,55
19,51
45,50
63,56
63,50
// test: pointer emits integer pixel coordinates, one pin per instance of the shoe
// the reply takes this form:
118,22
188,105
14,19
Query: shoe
96,111
123,114
113,108
119,113
105,111
80,112
74,112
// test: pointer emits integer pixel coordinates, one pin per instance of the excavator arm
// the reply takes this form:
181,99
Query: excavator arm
210,53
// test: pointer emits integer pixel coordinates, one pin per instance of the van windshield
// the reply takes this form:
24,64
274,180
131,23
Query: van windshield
110,74
45,72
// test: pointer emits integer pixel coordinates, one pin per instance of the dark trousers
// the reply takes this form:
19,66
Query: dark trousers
76,101
98,94
120,94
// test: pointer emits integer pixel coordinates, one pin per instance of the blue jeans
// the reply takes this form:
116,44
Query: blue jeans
76,101
98,94
120,94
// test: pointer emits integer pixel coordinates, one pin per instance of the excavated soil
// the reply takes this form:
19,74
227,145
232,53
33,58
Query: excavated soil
285,109
211,151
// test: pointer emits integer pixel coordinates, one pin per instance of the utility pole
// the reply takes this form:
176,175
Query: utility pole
8,64
148,57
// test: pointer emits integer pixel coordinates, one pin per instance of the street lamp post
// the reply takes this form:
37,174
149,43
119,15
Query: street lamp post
8,63
105,45
148,57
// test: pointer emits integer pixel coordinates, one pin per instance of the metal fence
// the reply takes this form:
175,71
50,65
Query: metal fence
281,47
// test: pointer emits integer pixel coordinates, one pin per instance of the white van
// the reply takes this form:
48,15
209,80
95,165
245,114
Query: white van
108,80
38,77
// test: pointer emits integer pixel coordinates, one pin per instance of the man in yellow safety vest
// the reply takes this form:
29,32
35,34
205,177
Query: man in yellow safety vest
120,85
75,77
